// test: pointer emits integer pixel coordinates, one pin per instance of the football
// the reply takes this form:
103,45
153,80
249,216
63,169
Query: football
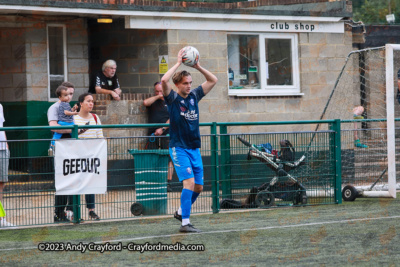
191,56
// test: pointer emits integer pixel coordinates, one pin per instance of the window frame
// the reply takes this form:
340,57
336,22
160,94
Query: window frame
273,90
64,29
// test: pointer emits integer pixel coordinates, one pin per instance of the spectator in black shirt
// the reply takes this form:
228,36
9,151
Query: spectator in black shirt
158,113
106,81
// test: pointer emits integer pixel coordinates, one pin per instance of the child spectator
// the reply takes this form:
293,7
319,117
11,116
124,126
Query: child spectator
357,115
65,112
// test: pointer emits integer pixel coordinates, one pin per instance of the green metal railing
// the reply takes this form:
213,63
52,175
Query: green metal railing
29,194
320,174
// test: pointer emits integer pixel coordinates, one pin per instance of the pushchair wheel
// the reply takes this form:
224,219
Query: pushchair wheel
300,198
137,209
265,199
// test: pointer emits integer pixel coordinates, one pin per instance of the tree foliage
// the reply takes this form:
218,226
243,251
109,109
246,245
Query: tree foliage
375,11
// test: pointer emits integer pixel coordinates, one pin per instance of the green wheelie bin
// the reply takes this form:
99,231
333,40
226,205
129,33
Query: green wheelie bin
151,173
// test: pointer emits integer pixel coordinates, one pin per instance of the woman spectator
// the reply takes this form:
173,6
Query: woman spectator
84,117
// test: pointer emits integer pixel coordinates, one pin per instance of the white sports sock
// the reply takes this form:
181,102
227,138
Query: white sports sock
180,211
185,222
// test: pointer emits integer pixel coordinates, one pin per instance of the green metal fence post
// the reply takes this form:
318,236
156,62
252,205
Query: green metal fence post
74,133
225,162
338,160
76,199
215,166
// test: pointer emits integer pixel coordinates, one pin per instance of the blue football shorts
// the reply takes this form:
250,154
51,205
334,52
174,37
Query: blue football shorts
188,164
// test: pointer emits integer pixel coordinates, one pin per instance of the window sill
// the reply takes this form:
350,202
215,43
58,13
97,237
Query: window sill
230,93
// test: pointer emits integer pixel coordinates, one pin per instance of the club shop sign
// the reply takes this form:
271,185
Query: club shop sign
289,26
234,22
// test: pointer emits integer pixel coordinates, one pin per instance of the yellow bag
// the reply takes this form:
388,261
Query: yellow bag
2,211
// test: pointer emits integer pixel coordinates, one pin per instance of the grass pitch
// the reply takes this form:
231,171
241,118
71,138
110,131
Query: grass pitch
363,232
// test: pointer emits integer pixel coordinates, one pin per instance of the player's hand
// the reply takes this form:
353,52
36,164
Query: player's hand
81,131
160,97
118,91
197,65
180,55
115,95
158,132
75,107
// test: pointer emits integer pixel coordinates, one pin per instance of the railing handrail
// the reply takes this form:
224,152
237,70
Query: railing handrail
273,122
368,120
70,127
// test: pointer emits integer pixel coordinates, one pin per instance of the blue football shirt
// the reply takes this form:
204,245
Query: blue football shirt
184,119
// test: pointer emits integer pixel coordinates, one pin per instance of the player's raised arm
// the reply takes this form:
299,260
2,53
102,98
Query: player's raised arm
167,76
211,79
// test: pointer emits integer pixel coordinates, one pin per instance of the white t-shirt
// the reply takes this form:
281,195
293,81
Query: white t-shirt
90,133
52,112
3,144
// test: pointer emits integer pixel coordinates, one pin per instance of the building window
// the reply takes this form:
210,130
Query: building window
57,57
263,64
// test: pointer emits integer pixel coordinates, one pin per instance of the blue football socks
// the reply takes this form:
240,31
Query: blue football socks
186,203
194,196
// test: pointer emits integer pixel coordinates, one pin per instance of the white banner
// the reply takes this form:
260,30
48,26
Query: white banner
80,166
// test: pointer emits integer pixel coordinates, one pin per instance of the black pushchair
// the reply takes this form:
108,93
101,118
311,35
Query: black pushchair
283,186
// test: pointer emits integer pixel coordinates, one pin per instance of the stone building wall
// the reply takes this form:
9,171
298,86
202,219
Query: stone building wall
23,43
129,110
77,55
13,62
